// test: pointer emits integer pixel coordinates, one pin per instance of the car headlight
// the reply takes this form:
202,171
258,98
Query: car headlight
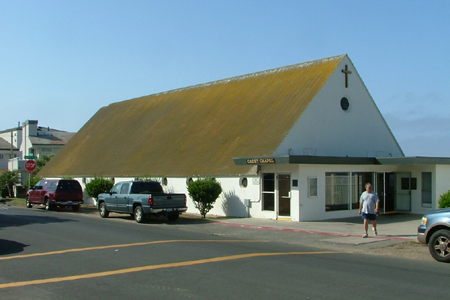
424,221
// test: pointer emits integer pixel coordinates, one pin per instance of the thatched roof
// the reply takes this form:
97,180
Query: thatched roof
195,130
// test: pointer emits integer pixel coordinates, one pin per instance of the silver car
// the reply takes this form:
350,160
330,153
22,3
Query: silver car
435,232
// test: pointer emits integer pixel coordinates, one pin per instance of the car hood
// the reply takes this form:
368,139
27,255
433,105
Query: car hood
445,211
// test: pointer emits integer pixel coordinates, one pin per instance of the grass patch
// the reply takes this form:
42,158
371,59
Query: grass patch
14,201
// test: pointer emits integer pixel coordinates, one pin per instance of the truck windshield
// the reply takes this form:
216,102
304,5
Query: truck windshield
146,188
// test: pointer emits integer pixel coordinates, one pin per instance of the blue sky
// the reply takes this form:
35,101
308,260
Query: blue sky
61,61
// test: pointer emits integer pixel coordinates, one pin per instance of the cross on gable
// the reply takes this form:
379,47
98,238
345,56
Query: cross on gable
346,72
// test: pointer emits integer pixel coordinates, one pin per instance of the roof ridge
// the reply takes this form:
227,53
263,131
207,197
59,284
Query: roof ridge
255,74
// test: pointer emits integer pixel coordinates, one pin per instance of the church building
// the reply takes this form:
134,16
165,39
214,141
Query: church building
294,143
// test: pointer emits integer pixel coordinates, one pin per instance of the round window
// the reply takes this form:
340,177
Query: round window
244,182
345,104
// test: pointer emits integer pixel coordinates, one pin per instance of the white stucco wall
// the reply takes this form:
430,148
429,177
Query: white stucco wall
303,208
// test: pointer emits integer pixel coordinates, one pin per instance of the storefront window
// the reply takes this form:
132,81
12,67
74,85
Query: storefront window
337,191
340,195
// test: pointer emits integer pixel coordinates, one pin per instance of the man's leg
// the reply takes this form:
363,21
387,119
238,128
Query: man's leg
374,227
366,225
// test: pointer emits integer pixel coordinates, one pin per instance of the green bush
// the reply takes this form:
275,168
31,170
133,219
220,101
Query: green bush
444,200
204,193
4,192
7,181
98,185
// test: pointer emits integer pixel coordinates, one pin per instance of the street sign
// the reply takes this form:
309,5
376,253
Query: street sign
30,157
30,165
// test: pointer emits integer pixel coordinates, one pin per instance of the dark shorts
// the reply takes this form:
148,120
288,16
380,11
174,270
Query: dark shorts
371,217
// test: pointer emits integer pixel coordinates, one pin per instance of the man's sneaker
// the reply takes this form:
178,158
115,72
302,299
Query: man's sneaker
375,233
365,235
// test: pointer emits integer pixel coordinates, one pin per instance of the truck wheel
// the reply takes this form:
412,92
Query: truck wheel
139,214
173,216
439,245
75,207
47,204
28,202
104,213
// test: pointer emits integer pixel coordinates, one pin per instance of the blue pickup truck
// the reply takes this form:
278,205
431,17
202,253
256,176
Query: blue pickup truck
434,231
141,199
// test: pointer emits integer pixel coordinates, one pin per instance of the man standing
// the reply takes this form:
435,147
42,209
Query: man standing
368,208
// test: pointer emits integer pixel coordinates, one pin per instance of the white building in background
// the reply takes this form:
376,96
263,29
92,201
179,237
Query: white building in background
29,139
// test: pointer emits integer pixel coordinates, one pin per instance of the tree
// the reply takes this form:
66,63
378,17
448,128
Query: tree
7,181
42,161
204,193
98,185
33,180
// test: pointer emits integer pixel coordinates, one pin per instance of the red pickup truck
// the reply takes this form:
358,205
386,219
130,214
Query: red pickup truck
53,193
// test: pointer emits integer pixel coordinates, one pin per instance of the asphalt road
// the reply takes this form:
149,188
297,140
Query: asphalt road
65,255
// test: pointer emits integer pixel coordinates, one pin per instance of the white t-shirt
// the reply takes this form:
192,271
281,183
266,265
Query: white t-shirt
369,201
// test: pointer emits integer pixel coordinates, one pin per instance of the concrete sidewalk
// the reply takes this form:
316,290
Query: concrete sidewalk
400,227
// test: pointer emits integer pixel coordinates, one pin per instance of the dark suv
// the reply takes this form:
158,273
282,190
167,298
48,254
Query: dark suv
435,232
52,193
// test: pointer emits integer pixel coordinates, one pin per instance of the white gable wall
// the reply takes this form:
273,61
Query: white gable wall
324,129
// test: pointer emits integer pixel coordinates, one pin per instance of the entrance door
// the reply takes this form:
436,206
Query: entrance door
385,188
284,195
403,192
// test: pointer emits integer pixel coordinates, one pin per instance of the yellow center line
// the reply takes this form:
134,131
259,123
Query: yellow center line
152,267
126,245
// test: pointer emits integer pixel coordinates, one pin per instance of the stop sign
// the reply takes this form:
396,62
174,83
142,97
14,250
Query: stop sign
30,165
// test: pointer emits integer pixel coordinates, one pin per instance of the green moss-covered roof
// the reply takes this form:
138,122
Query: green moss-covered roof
195,130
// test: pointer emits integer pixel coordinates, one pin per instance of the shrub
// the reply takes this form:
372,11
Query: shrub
98,185
7,181
4,192
444,200
204,193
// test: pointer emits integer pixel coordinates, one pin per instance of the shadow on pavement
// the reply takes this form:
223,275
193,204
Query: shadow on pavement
382,218
10,247
22,220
